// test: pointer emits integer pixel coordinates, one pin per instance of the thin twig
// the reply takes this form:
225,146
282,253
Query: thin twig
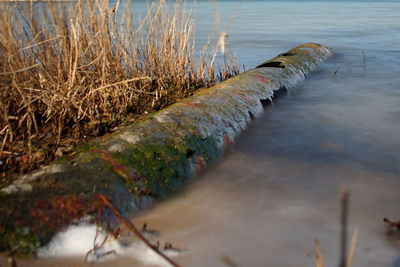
364,61
43,42
134,230
336,71
344,203
18,71
124,81
354,238
95,245
228,261
319,258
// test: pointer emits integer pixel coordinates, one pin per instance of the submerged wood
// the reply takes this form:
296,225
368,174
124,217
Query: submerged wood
149,160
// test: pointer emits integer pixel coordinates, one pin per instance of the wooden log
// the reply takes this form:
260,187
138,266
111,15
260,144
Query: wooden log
148,160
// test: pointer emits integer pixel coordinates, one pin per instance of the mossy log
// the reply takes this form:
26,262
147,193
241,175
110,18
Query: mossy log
148,160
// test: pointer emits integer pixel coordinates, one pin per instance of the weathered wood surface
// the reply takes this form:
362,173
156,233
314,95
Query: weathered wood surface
146,161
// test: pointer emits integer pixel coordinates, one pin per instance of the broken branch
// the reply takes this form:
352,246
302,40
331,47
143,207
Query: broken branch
134,230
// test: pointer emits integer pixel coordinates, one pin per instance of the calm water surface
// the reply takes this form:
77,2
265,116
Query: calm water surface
265,203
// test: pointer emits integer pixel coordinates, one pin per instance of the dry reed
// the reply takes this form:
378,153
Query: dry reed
71,70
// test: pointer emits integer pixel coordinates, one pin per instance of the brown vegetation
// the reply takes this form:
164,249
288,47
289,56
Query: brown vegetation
69,71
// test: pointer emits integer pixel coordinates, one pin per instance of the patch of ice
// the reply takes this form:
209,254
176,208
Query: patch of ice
78,239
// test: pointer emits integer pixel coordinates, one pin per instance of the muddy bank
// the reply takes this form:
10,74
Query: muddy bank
147,161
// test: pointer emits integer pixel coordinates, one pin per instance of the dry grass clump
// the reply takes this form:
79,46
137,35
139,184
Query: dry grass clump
70,70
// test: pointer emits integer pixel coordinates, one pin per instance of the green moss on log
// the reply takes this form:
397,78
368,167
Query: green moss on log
164,167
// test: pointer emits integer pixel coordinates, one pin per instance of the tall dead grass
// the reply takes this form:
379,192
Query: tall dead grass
70,70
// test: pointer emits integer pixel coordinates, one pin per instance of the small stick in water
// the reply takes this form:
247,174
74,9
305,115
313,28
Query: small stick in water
352,248
228,261
364,61
319,258
336,71
145,230
343,226
346,259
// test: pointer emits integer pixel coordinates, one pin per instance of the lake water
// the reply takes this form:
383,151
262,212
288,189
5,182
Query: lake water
266,202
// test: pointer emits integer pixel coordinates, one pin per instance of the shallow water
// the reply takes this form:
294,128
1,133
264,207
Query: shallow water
266,202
